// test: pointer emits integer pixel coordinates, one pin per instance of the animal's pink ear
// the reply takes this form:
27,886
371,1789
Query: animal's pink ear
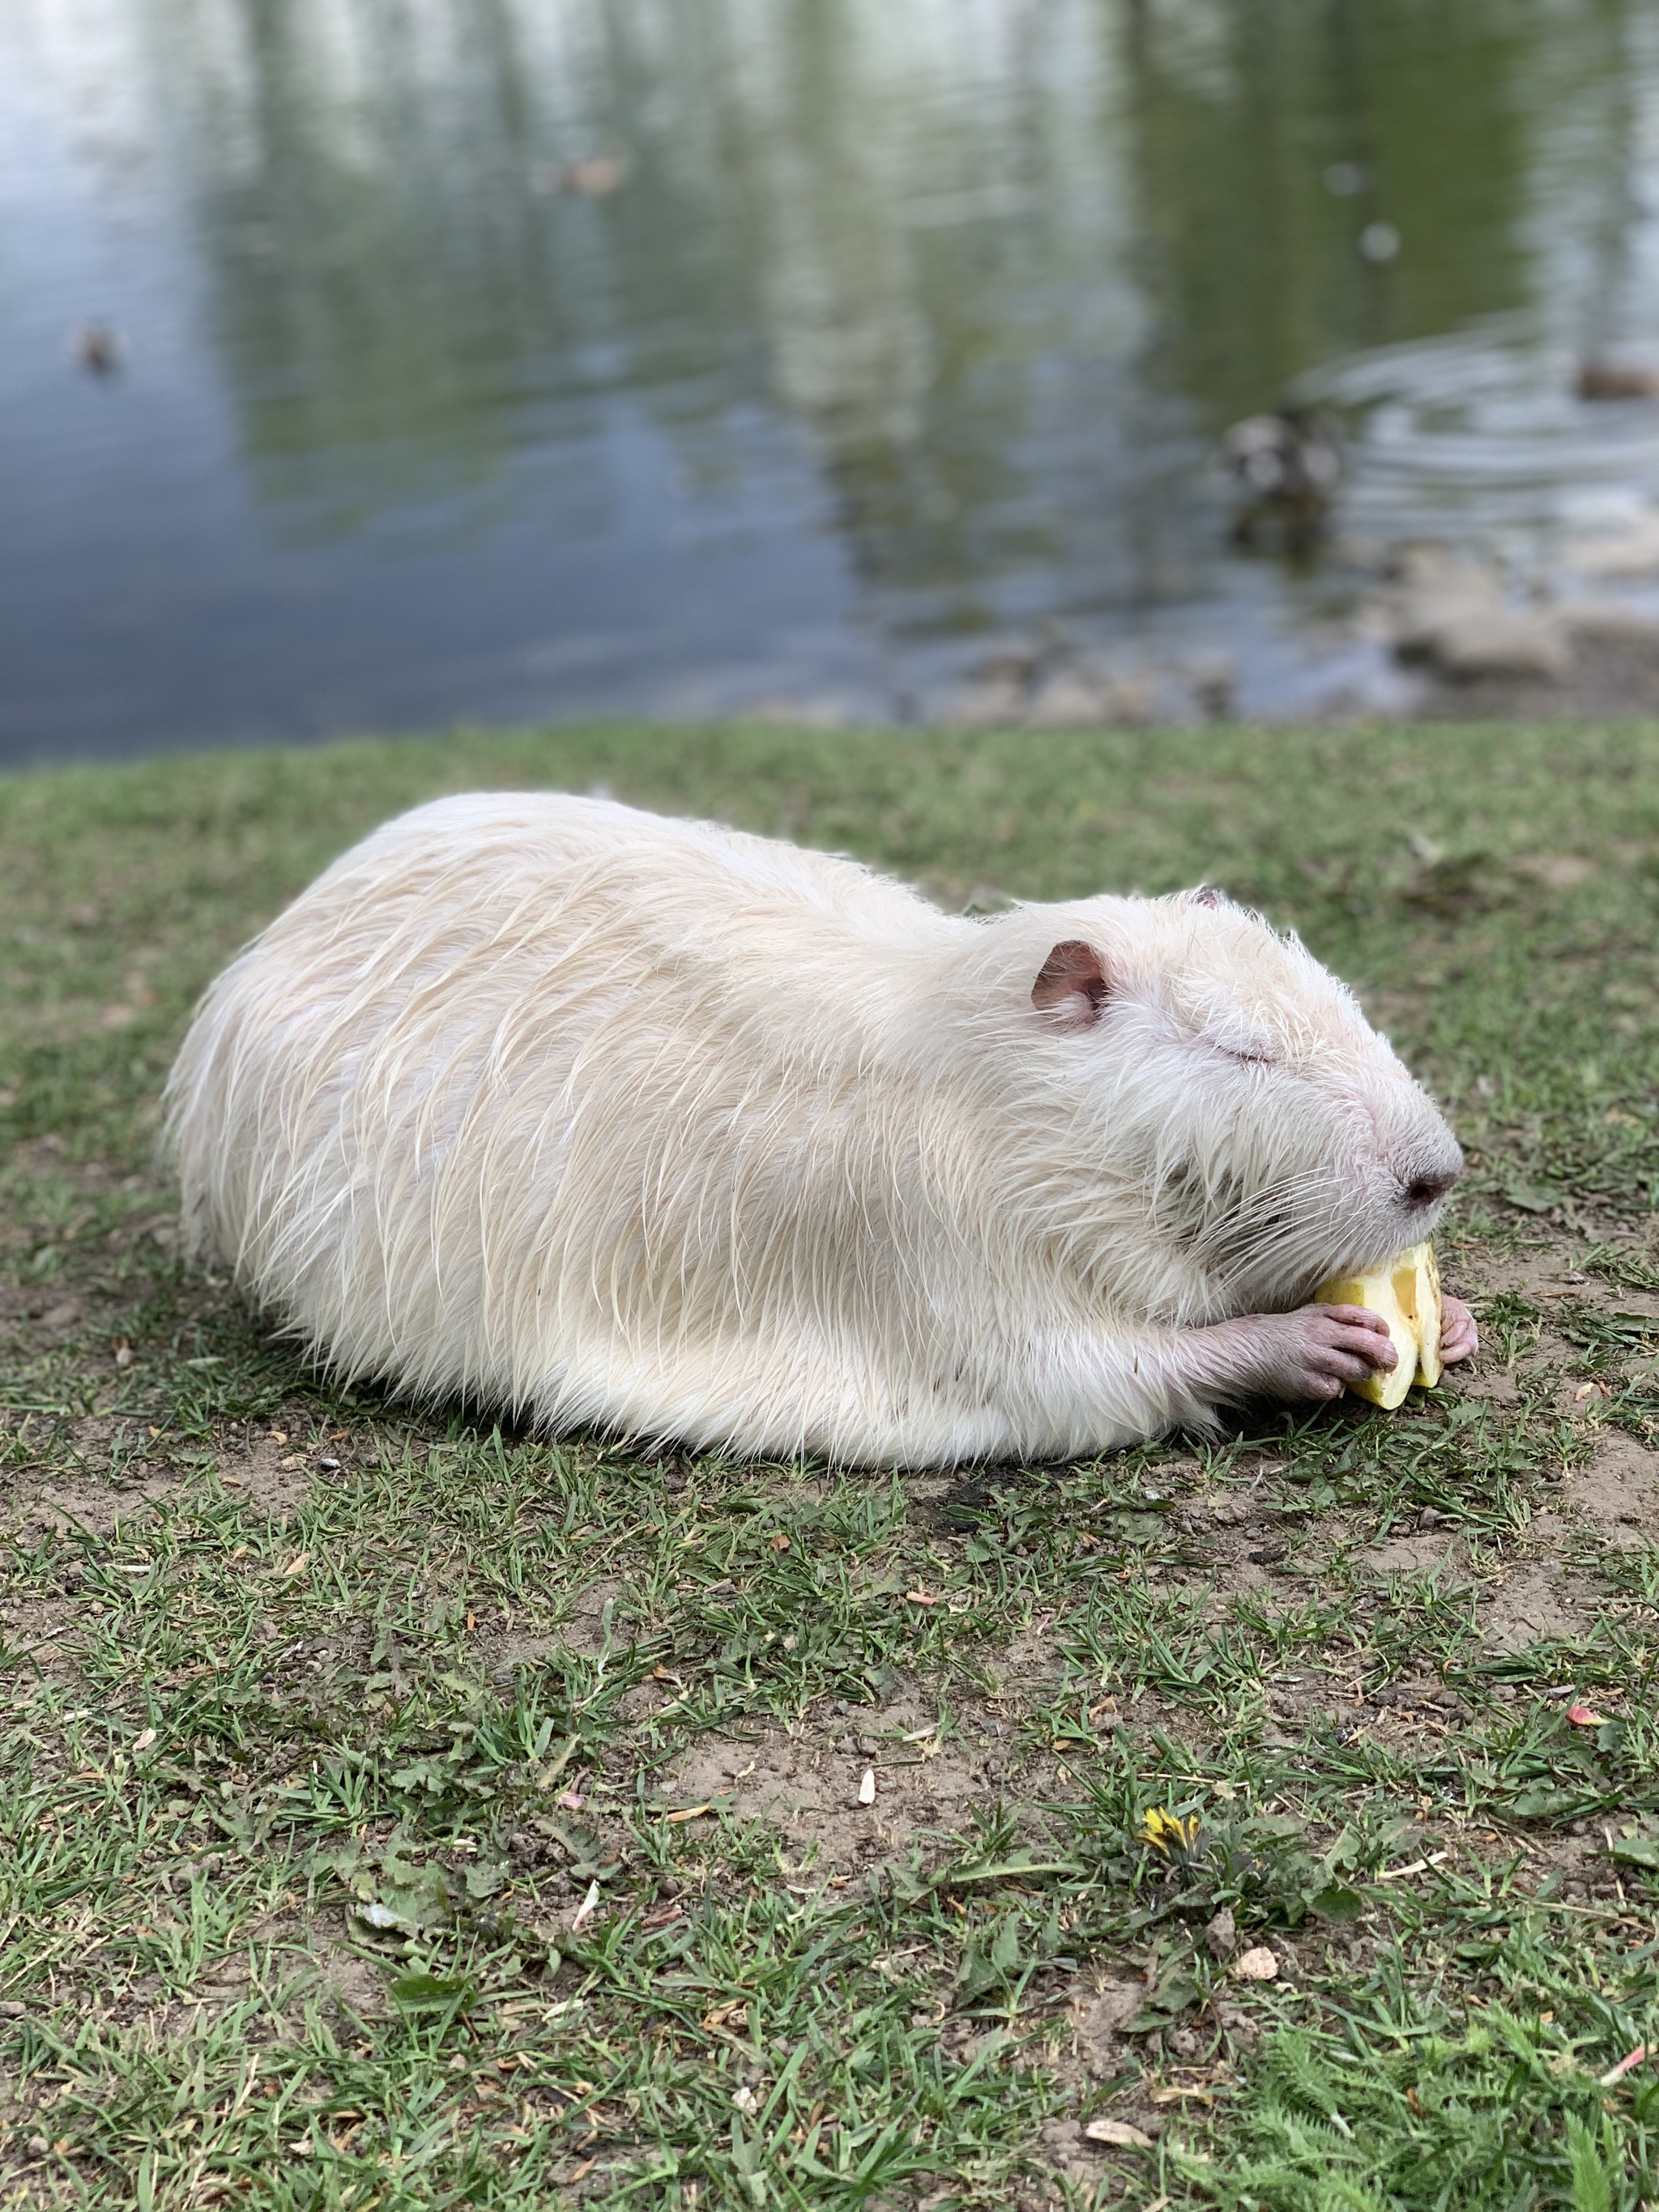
1072,985
1206,895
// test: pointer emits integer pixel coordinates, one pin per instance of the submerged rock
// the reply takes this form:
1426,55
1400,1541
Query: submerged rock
1080,697
1610,620
1457,614
1214,681
1628,547
1602,379
1503,642
989,703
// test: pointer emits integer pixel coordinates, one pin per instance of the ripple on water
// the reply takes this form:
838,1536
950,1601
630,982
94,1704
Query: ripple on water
1480,438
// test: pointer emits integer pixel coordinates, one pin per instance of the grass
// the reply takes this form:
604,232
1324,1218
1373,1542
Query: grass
400,1812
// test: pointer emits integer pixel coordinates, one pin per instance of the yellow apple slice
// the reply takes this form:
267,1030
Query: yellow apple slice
1407,1293
1427,1315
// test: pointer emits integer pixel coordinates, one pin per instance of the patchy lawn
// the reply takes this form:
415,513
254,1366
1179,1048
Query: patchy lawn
400,1812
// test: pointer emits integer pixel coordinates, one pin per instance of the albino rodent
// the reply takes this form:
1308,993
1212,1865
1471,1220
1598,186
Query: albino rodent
606,1118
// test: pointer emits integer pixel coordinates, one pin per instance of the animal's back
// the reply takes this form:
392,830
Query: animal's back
539,1098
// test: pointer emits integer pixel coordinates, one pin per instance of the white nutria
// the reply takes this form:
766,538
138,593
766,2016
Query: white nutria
602,1117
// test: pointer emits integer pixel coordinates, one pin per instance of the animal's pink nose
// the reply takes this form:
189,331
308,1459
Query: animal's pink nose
1428,1189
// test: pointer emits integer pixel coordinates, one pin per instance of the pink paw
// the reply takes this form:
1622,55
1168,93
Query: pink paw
1459,1337
1313,1352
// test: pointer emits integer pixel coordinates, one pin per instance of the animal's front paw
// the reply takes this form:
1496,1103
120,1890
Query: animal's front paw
1317,1351
1459,1337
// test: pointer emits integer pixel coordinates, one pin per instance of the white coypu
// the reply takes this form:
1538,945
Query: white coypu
601,1117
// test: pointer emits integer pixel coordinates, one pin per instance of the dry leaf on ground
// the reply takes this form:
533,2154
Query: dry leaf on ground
586,1908
1118,2132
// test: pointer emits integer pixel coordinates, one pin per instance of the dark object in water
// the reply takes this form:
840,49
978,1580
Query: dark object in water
96,347
1617,379
1287,466
593,177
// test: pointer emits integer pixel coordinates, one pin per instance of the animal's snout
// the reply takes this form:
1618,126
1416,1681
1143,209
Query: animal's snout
1427,1182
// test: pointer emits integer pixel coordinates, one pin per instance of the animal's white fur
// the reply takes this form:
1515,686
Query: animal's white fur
609,1118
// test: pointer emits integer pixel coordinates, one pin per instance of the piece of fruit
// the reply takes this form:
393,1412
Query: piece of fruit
1380,1294
1426,1311
1407,1293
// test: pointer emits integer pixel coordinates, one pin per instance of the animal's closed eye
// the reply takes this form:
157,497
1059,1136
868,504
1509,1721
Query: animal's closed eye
1247,1059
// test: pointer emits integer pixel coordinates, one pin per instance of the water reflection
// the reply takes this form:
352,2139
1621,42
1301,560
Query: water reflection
908,327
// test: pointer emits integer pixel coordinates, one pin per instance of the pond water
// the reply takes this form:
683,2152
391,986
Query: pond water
522,359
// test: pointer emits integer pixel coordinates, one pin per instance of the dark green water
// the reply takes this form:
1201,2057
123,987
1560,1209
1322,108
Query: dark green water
907,329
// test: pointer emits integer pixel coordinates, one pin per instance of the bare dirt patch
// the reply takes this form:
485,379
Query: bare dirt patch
505,1655
348,1980
809,1784
1494,1385
38,1318
1098,2017
34,1631
96,1509
584,1629
96,1439
272,1476
1422,1553
1619,1491
1082,2163
1535,1603
268,1474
